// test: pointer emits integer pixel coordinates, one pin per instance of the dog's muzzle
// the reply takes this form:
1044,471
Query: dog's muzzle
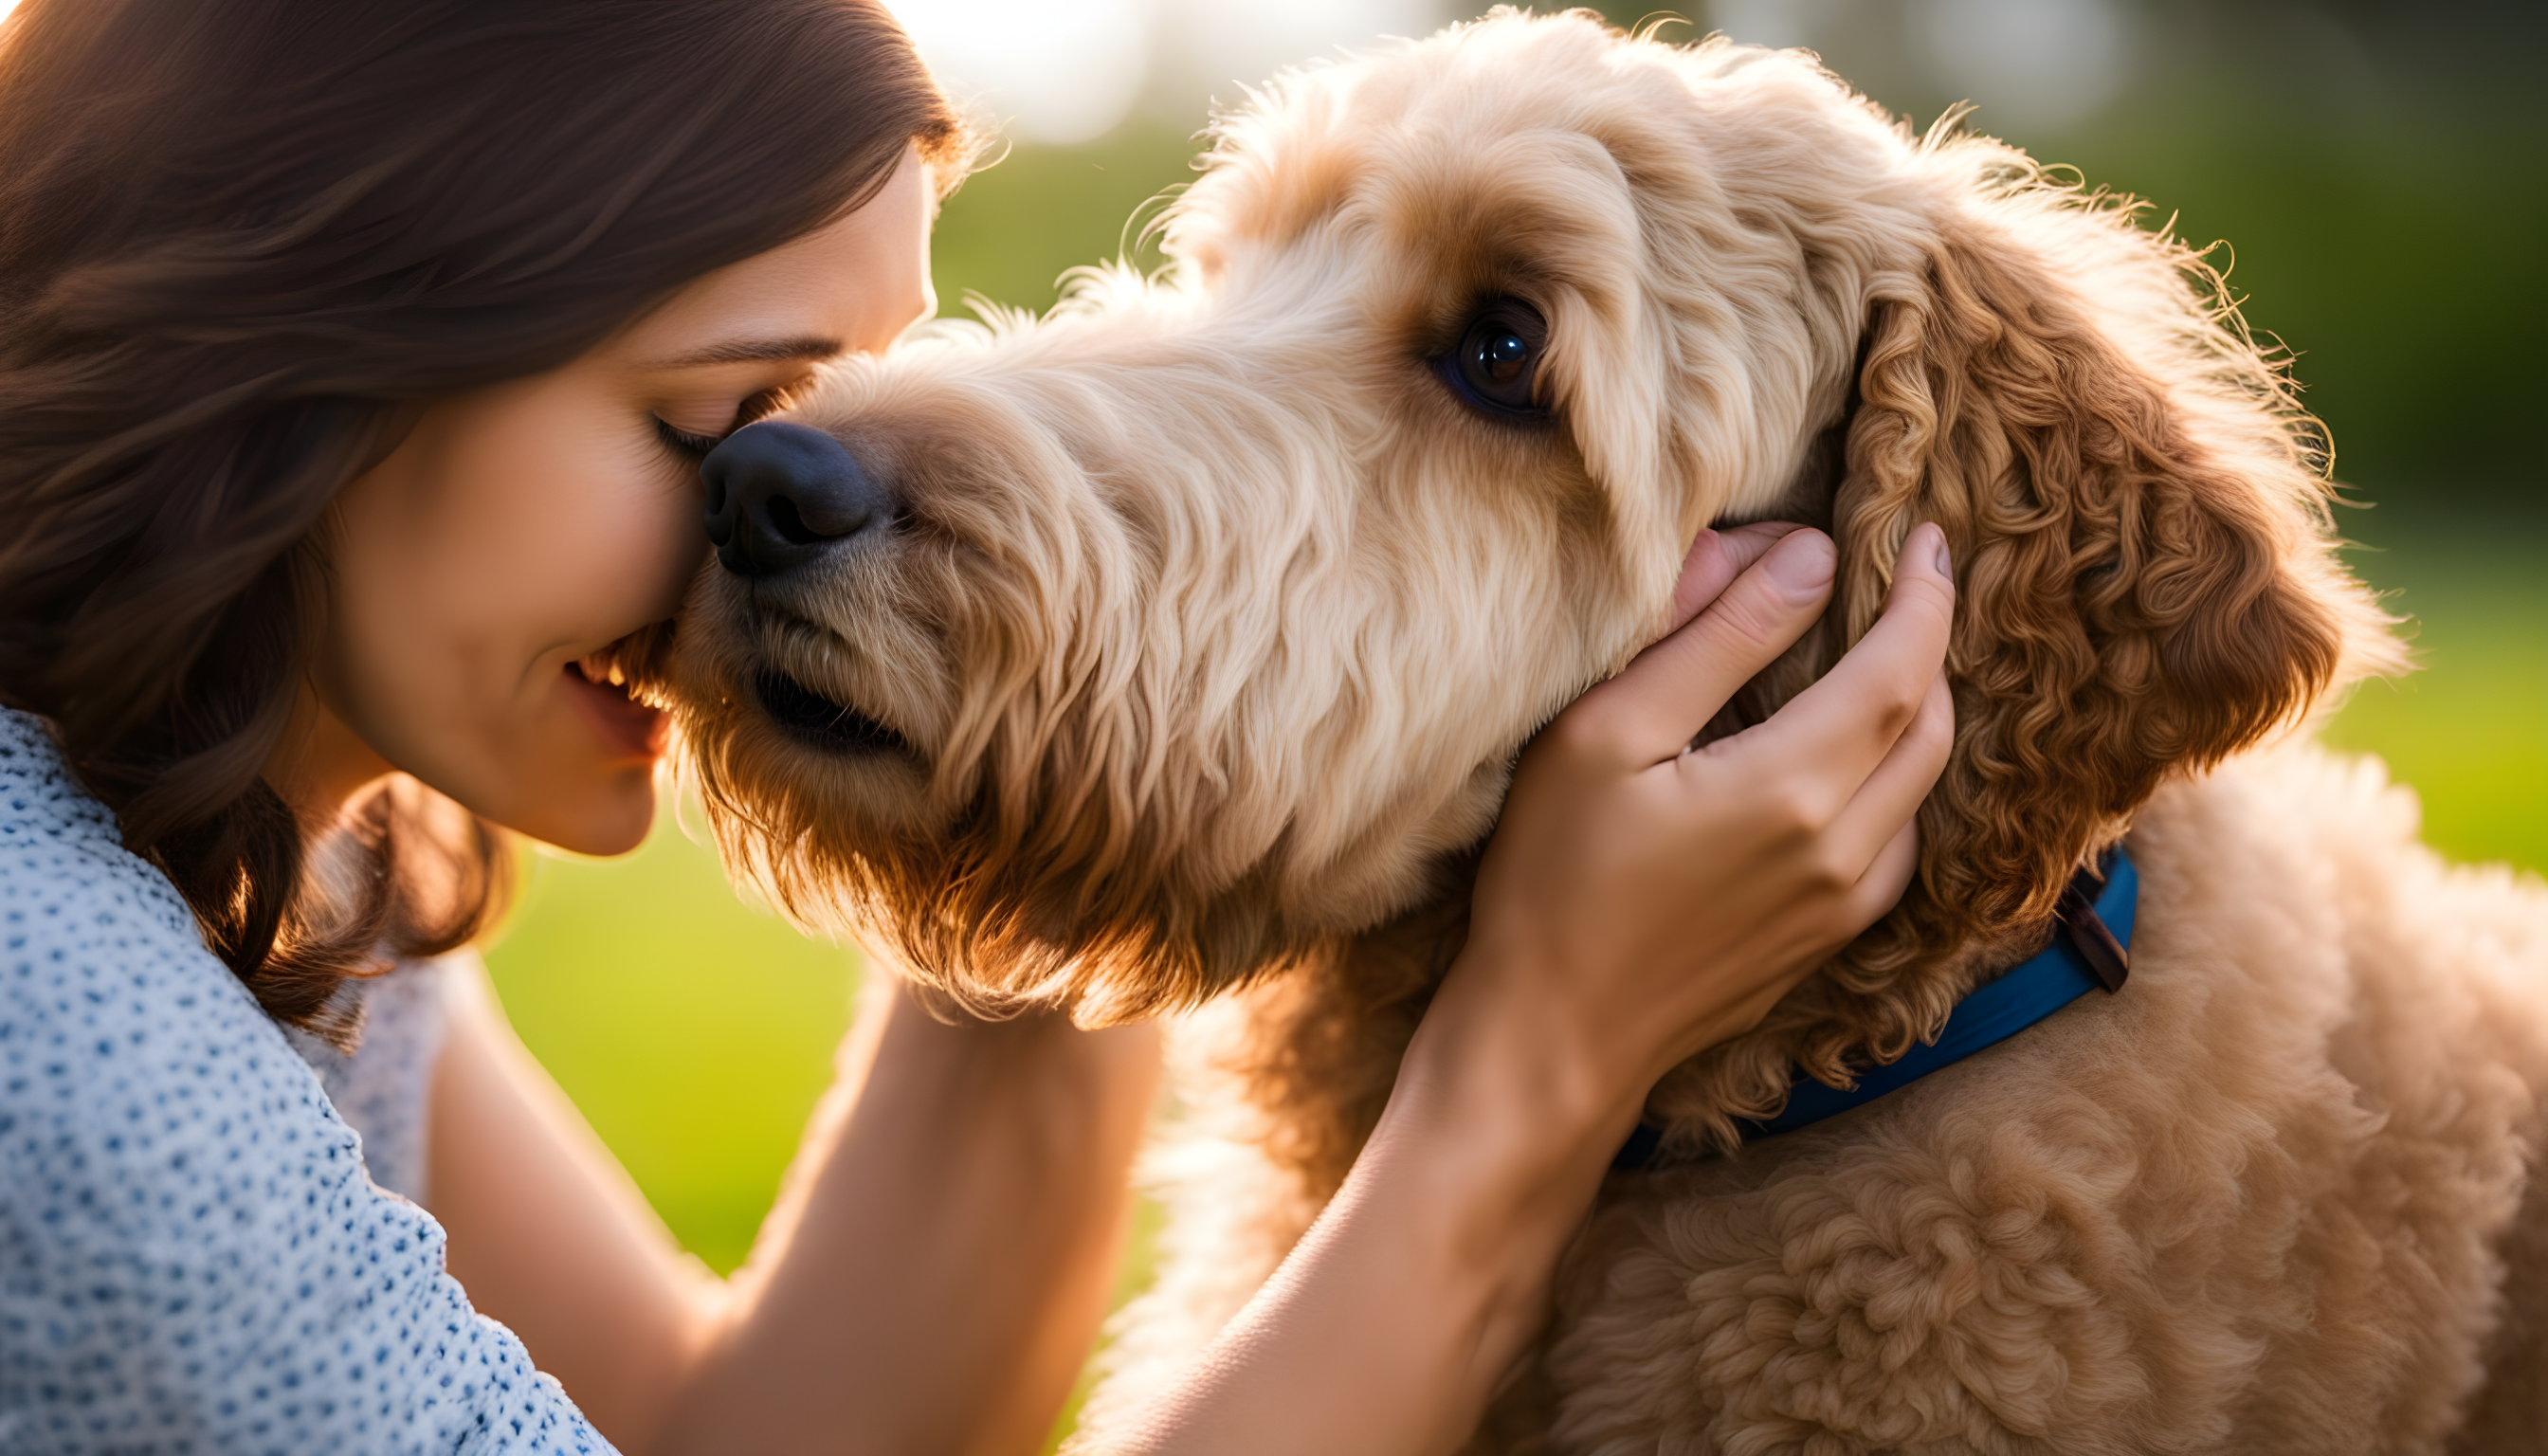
782,495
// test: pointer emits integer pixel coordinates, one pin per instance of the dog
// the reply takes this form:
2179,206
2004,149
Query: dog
1170,654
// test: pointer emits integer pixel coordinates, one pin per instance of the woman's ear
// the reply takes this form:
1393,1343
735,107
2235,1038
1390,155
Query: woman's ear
2143,558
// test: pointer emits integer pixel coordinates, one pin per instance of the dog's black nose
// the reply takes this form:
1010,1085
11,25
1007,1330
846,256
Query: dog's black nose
782,495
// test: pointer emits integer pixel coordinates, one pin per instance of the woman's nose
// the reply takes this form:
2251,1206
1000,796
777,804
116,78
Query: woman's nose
782,495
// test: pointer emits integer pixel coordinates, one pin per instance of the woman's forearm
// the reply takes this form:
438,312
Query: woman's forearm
931,1280
547,1234
1387,1327
937,1267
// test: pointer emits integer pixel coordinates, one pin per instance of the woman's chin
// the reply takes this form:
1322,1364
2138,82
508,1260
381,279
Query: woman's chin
596,791
615,824
600,809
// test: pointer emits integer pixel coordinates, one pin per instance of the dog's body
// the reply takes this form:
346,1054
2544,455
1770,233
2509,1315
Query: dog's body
2268,1200
1193,651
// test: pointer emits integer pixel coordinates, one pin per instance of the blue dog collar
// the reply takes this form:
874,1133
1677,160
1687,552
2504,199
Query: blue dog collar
2088,954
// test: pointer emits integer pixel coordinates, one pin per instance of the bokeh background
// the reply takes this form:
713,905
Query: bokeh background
2380,169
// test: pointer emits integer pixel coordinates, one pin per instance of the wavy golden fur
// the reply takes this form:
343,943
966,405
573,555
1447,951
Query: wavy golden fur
1213,620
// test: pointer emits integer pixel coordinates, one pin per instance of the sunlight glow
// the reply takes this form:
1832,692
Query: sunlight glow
1063,73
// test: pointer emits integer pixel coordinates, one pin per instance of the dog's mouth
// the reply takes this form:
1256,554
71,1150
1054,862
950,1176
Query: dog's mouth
813,719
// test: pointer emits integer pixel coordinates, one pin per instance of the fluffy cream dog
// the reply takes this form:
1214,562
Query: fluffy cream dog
1180,643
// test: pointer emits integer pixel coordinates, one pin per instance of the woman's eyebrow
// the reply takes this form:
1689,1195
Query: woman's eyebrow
754,351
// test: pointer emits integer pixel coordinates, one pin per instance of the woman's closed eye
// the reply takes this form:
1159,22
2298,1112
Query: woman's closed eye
692,446
682,443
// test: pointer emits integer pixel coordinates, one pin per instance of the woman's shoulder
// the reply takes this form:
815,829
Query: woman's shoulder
195,1251
101,972
63,867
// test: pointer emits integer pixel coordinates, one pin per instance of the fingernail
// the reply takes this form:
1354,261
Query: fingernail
1800,566
1938,556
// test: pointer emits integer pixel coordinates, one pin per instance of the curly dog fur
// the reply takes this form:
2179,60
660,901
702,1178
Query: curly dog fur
1193,668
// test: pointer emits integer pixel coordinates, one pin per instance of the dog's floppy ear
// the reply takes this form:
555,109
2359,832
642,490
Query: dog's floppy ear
2142,552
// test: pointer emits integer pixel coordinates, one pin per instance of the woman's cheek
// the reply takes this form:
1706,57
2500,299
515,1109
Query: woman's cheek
507,537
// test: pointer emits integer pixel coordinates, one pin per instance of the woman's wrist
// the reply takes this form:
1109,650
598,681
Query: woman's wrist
1493,1044
1511,1119
1428,1273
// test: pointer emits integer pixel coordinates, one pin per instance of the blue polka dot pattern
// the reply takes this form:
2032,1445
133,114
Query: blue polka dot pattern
384,1088
191,1257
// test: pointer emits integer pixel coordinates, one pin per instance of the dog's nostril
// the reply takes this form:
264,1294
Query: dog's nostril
779,495
790,527
720,515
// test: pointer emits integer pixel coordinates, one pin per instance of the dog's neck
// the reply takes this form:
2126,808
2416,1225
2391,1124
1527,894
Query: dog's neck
1337,1020
2089,952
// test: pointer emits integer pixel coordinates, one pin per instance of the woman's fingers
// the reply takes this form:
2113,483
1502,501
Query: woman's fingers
1838,730
1715,559
1877,813
1649,713
1880,888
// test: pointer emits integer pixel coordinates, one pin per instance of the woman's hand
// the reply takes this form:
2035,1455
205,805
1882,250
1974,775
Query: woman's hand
1641,902
1642,899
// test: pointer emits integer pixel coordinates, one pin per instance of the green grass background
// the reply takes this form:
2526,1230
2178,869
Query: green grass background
2377,235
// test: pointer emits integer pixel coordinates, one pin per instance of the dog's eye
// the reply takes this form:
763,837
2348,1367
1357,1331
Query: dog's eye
1496,368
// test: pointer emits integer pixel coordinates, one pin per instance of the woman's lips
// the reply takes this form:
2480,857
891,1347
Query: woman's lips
635,730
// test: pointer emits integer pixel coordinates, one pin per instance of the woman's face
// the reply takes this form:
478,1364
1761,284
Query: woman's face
528,525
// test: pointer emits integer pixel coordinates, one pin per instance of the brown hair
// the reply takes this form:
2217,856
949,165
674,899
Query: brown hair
240,240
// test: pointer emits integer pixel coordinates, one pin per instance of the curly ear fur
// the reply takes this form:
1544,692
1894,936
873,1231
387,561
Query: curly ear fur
2147,577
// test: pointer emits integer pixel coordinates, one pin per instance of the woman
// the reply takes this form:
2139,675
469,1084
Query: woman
355,361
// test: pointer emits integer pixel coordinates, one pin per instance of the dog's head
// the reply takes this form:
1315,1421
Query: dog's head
1118,655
